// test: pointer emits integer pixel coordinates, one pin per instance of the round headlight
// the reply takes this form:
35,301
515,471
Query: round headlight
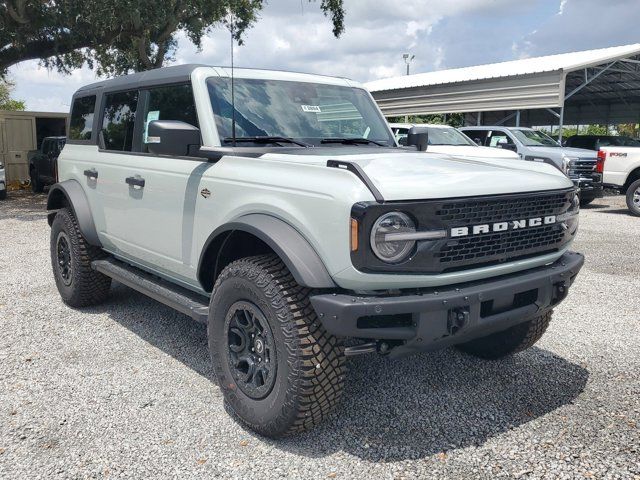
383,245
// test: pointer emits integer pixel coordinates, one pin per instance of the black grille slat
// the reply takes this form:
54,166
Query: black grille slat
460,214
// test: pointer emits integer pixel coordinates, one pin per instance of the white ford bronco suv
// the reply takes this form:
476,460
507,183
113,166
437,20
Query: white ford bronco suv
278,209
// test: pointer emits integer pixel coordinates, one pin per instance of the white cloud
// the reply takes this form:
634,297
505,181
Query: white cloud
294,35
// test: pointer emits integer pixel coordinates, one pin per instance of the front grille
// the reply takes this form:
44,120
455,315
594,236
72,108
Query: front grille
457,253
583,167
464,252
507,244
470,212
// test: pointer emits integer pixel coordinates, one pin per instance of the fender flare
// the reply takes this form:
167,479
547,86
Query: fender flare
298,255
70,193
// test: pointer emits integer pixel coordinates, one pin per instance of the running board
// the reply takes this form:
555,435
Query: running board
178,298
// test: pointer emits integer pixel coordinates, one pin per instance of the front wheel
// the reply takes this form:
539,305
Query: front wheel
3,194
278,368
510,341
586,201
633,198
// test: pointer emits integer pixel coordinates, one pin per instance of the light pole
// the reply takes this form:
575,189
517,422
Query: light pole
408,58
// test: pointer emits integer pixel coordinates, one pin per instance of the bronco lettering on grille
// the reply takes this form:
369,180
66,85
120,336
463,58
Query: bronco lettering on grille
502,226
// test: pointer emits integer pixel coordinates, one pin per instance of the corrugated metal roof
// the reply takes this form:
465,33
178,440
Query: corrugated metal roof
566,62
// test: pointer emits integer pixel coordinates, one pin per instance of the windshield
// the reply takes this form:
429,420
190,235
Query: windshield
535,138
306,112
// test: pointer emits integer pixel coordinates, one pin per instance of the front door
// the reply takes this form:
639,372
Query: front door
145,197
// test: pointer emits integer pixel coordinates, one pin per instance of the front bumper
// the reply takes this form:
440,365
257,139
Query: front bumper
590,188
430,319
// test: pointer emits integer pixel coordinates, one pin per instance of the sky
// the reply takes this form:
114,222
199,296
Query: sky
294,35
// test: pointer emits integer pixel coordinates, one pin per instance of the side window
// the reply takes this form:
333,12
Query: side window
119,117
171,102
478,136
46,147
499,137
82,113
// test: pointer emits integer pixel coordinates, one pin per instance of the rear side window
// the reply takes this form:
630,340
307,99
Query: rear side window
118,120
82,113
171,102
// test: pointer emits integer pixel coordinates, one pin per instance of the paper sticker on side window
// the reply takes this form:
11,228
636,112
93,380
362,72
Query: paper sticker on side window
311,108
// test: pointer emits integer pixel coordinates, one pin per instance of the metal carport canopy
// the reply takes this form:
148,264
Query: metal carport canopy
530,83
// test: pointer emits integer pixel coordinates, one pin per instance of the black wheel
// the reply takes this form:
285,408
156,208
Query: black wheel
510,341
71,258
278,368
633,198
36,185
586,201
3,194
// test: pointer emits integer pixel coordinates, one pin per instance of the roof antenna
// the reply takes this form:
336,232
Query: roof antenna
233,103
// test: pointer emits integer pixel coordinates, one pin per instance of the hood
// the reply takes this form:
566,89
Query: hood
469,151
558,152
407,175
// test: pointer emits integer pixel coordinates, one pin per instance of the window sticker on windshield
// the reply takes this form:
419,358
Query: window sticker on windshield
151,116
311,108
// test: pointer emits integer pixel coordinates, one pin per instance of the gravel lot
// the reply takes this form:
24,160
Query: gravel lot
126,389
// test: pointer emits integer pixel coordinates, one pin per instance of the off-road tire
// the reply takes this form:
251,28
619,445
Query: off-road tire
86,287
634,208
36,185
310,362
513,340
585,202
3,194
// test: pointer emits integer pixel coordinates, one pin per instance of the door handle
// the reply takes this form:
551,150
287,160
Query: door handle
92,173
136,181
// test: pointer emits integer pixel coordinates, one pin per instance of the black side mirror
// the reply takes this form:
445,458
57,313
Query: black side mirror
418,136
172,137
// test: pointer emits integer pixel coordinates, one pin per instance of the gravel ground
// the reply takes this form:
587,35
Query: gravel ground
126,389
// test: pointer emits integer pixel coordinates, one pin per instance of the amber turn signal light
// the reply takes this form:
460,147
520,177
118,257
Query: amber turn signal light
354,235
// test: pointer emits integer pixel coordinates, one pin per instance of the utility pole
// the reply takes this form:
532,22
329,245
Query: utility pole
408,58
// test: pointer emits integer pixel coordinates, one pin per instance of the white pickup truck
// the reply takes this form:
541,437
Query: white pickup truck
622,172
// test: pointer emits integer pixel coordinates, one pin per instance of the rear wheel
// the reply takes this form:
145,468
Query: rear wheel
36,185
633,198
510,341
71,256
278,368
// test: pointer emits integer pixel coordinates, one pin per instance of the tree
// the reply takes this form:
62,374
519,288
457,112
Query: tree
118,36
6,102
451,119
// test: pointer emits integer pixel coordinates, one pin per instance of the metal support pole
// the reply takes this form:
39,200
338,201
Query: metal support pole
561,124
479,119
517,118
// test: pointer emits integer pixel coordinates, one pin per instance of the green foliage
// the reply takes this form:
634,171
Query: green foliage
118,36
6,102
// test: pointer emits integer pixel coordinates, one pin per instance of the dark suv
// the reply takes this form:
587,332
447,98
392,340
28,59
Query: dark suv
43,163
594,142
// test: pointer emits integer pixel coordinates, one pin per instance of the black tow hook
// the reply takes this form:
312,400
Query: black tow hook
458,317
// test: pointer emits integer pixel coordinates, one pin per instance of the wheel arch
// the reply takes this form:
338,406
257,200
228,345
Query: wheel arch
632,177
255,234
70,194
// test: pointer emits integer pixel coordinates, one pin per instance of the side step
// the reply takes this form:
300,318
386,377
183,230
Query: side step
178,298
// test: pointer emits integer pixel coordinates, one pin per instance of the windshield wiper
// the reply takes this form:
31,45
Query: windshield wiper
267,139
352,141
